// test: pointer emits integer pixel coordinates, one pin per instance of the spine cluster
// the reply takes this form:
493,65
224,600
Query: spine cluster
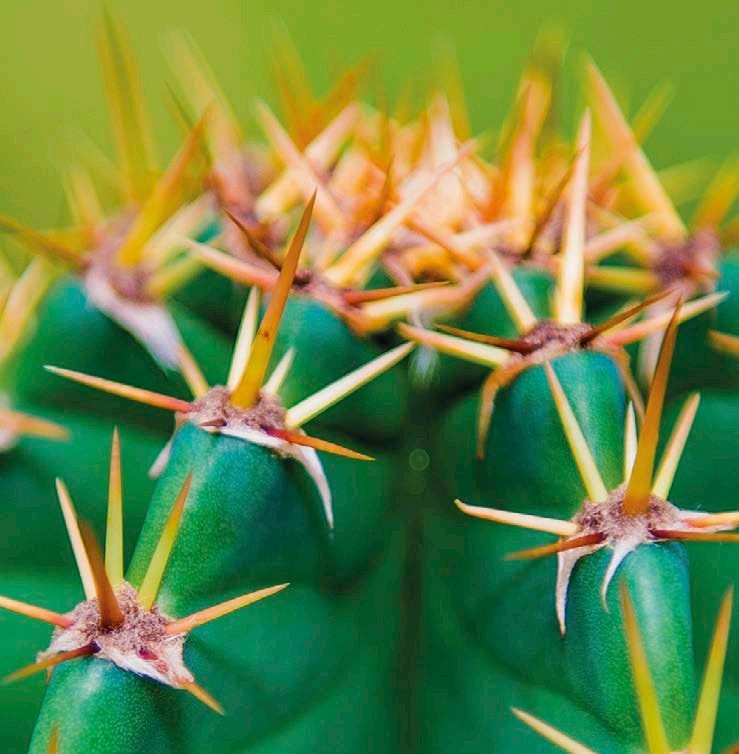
413,441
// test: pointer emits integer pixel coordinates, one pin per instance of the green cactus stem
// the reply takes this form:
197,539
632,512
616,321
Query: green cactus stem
657,734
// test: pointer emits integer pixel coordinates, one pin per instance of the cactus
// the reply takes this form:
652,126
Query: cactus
702,732
118,623
312,349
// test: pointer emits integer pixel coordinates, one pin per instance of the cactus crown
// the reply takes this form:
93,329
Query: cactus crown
410,200
541,340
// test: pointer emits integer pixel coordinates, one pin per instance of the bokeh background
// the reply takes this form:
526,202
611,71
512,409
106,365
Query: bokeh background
50,89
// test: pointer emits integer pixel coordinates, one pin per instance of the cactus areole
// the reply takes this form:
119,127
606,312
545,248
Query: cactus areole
314,345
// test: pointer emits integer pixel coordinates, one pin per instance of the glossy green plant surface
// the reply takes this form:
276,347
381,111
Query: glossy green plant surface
318,644
69,332
30,521
484,618
21,639
706,480
478,636
698,364
304,660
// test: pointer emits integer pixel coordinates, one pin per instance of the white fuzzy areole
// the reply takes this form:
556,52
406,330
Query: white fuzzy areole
215,406
622,541
140,645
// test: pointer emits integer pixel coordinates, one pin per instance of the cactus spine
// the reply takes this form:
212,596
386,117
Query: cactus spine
312,348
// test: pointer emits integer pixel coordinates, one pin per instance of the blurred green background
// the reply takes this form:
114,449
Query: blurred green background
51,91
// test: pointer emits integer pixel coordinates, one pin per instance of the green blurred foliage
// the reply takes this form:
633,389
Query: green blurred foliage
51,92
